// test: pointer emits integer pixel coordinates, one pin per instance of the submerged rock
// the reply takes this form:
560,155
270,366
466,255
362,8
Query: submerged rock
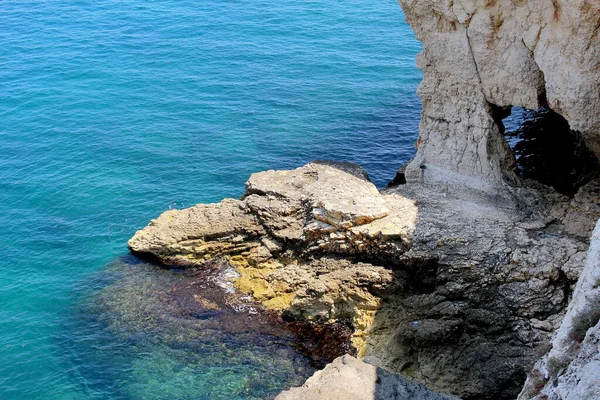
350,379
175,333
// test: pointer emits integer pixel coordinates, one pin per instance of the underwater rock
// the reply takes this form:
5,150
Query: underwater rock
179,328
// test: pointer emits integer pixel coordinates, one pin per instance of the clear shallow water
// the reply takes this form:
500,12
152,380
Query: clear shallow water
169,334
111,112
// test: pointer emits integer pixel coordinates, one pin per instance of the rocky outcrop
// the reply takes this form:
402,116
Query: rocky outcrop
452,290
288,238
347,378
480,57
571,369
491,289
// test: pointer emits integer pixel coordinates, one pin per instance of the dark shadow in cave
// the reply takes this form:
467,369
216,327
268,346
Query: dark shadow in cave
548,151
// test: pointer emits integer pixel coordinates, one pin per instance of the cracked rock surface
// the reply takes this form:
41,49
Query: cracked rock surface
571,369
479,294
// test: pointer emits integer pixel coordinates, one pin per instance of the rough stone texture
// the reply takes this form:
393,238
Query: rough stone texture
478,293
584,210
571,369
456,290
199,233
334,196
480,56
347,378
286,237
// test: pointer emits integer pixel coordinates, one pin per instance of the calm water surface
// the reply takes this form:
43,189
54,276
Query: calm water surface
113,111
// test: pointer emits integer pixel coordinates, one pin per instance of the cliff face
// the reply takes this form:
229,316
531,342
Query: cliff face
481,56
571,370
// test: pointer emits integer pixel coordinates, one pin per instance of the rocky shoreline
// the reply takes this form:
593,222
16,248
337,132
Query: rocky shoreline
459,274
428,280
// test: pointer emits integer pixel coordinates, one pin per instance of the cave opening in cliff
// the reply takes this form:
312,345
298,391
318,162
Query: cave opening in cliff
548,151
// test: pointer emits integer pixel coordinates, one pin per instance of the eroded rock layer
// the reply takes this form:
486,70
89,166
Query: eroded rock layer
288,238
480,57
453,291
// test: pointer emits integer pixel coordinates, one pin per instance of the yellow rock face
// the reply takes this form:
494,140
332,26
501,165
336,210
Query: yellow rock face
313,291
363,320
258,283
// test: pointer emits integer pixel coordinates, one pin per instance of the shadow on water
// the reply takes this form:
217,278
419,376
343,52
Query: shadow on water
145,332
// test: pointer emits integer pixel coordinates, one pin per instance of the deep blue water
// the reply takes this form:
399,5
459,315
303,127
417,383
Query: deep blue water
113,111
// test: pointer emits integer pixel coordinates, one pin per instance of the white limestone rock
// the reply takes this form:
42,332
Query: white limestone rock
347,378
481,55
571,370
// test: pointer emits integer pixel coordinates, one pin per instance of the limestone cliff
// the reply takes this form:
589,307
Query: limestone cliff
481,56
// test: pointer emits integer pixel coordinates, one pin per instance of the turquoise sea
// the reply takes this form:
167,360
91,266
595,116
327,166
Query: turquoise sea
113,111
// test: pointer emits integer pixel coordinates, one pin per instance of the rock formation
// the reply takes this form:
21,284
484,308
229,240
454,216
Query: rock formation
288,238
571,369
458,278
453,291
480,57
347,378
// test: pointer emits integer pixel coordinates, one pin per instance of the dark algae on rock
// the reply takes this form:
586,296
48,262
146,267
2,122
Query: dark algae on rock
188,335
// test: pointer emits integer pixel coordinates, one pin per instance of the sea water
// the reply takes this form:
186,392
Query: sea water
113,111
